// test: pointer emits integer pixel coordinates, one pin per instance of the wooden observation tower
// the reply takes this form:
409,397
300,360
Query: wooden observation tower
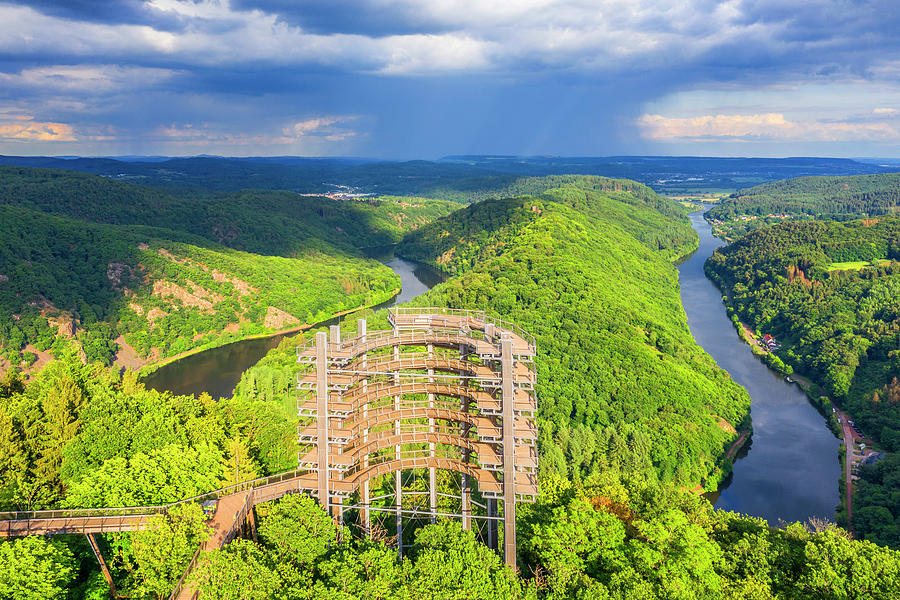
443,390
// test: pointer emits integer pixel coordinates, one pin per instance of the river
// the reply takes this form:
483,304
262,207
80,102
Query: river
790,471
217,371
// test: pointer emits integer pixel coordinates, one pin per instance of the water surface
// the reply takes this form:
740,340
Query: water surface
791,469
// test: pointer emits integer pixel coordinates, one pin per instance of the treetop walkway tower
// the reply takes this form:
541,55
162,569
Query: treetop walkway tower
444,389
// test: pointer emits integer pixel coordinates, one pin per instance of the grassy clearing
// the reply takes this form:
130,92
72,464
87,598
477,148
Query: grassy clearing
856,265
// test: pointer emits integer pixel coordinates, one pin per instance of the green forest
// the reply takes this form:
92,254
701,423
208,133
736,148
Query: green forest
839,325
821,197
86,257
81,435
635,419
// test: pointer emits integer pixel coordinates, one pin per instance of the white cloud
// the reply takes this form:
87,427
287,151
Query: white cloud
313,125
760,127
609,36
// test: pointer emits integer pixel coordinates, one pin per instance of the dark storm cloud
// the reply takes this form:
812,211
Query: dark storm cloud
345,16
407,77
131,12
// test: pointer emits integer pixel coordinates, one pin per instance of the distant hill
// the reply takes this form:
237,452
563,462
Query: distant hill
838,198
453,177
262,222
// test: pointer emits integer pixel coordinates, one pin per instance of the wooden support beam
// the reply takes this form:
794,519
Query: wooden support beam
509,450
322,417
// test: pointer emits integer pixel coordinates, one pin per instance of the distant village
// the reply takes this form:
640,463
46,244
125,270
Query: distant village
750,218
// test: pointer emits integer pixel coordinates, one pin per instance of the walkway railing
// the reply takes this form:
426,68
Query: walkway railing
478,315
79,513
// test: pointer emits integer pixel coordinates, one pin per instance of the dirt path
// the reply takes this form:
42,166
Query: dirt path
736,445
802,381
752,338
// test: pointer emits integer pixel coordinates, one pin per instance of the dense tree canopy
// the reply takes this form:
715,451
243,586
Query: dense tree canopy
621,384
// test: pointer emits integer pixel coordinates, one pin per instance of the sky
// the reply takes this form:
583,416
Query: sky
429,78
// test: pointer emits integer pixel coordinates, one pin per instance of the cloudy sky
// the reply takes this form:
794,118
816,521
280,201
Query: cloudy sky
427,78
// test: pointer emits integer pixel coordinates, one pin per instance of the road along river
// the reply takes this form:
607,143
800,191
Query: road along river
217,371
790,469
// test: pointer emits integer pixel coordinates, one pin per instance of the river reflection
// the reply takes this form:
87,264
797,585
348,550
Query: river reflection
791,470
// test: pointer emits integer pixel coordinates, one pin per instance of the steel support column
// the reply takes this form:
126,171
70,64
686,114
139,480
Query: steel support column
398,476
363,361
322,417
509,450
492,523
92,541
432,472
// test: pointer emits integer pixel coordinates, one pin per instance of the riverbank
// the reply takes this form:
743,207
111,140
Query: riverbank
834,418
737,445
838,423
151,367
785,470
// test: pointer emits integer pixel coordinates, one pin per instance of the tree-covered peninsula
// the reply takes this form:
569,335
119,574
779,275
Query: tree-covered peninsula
587,267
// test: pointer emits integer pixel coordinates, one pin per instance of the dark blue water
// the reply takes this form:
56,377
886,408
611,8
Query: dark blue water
791,470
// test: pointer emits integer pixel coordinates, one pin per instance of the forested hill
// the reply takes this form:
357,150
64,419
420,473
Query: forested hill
839,198
146,293
262,222
826,197
623,387
136,274
830,294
